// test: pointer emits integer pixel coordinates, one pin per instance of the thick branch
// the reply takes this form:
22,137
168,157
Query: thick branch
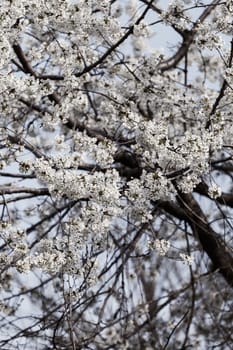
216,248
188,37
26,67
35,191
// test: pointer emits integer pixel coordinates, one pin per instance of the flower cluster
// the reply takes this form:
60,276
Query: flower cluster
162,246
187,259
74,100
214,191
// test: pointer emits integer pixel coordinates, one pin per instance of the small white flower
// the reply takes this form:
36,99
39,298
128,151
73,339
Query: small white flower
160,245
187,259
214,191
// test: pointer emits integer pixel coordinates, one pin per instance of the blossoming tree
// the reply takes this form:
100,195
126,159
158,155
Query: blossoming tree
116,174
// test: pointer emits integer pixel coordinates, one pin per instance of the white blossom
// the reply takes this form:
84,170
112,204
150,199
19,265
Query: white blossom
110,130
187,259
162,246
214,191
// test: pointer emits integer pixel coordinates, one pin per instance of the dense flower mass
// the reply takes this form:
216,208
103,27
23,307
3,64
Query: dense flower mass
116,130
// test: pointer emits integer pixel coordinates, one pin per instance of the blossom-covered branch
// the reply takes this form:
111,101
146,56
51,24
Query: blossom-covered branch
116,174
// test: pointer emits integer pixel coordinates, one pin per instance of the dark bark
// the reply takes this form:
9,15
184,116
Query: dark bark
219,252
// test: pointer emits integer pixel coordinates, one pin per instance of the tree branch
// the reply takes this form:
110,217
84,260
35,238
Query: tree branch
188,37
216,248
